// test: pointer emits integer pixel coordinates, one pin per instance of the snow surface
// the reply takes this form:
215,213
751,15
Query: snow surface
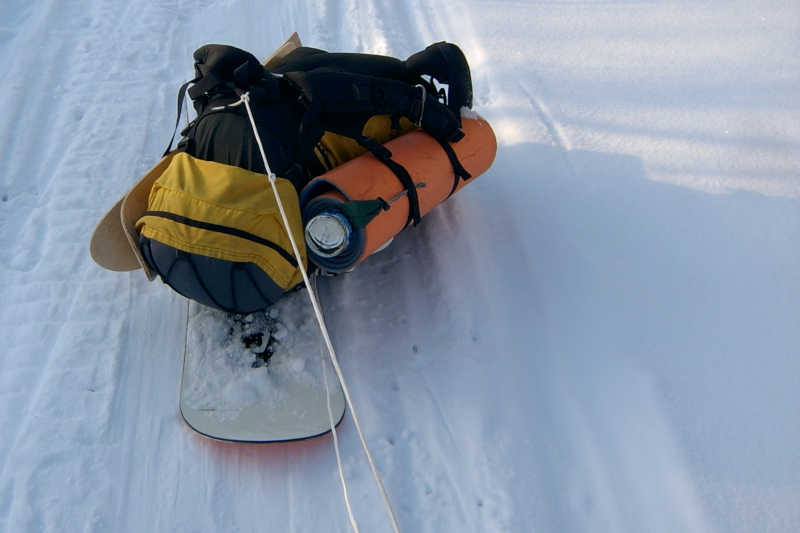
600,334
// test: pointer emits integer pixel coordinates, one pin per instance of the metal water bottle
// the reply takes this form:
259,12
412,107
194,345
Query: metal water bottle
328,234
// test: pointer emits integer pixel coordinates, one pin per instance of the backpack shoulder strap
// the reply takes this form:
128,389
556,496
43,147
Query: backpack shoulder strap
181,98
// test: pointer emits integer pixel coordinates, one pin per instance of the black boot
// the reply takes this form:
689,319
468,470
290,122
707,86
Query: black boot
445,62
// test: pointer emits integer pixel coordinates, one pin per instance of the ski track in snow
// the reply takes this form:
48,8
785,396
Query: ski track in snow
589,337
60,306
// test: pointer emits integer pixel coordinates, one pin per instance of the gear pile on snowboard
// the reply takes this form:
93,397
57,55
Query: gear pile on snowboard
258,377
362,147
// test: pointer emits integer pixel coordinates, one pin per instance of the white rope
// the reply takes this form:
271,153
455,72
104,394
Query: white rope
332,422
245,98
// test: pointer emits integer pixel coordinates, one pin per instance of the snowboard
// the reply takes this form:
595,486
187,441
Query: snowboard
259,377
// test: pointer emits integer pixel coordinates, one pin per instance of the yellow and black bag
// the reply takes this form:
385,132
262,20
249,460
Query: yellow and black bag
214,233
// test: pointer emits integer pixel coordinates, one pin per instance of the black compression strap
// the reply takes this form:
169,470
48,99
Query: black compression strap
385,156
458,170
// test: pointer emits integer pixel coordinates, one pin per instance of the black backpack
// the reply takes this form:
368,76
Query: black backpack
313,91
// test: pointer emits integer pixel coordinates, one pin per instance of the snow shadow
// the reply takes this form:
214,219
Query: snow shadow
624,338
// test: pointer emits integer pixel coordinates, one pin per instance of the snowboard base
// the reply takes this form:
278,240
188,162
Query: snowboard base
258,378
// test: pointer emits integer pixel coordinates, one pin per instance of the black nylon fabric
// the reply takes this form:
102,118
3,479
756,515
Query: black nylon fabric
226,137
305,59
342,91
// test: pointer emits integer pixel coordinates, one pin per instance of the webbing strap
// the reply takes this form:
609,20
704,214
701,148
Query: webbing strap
181,98
385,156
458,170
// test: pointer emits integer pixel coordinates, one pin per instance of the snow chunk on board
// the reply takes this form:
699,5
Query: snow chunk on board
258,377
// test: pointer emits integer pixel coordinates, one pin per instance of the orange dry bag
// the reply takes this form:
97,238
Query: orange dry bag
359,206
